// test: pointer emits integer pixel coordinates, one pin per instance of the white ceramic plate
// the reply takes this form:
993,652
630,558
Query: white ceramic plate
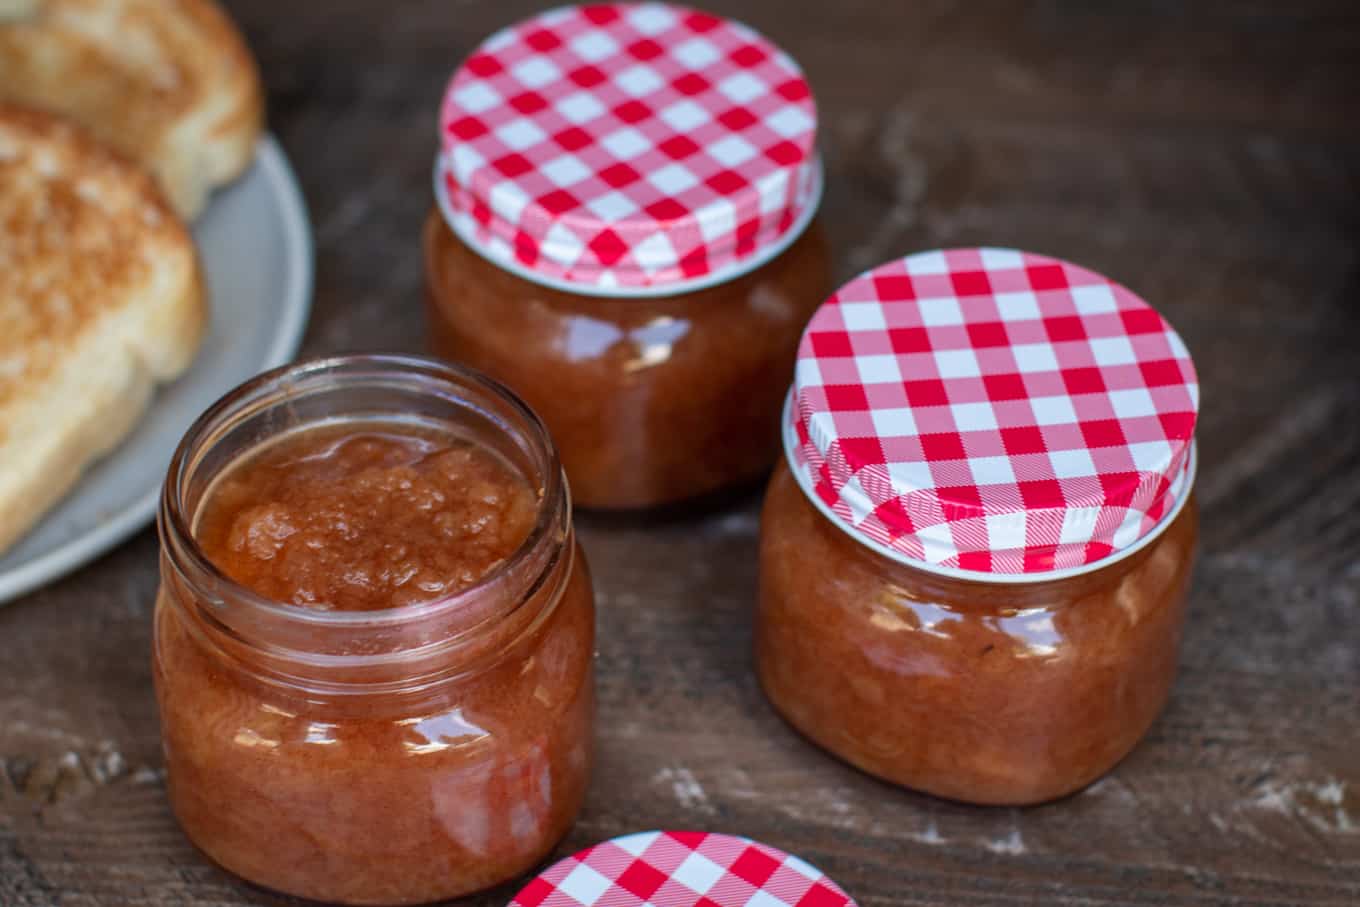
256,247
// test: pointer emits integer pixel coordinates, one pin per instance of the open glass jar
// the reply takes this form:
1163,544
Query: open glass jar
393,755
625,234
974,562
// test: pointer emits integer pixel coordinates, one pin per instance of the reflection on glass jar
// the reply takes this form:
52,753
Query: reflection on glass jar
372,753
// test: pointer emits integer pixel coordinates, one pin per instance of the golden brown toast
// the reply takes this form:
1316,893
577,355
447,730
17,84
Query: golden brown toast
169,83
101,297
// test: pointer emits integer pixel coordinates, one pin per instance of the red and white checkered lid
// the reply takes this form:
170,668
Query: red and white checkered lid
628,149
993,411
681,869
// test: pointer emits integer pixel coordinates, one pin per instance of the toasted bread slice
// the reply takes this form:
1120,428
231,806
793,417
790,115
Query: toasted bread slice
101,297
169,83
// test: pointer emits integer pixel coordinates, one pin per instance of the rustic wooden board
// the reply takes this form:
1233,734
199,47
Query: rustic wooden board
1206,154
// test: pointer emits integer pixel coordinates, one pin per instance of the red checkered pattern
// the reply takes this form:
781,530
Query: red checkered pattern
681,869
628,145
992,410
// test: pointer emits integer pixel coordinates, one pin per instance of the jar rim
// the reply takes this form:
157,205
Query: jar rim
554,505
979,576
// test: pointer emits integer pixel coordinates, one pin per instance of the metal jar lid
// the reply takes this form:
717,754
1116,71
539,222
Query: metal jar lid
682,869
628,149
993,413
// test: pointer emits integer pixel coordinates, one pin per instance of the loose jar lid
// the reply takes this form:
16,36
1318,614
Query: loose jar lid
994,411
628,148
682,869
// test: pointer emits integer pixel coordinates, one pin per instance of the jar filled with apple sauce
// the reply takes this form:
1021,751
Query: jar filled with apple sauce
625,234
975,558
374,634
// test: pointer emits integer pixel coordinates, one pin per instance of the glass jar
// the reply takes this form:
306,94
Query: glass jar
975,558
394,756
632,247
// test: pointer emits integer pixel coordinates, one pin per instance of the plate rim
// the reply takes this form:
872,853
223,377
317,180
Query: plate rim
297,302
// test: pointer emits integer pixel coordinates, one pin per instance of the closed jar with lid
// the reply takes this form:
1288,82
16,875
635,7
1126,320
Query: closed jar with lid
975,558
625,234
374,634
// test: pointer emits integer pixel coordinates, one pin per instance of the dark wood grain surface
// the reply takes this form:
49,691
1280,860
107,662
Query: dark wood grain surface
1205,154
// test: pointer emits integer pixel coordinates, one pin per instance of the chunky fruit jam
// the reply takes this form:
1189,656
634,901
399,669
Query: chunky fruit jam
357,519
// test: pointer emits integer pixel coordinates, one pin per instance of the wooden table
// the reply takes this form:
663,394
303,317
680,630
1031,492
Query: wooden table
1208,155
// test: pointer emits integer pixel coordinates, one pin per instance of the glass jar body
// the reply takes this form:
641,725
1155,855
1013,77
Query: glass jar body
986,693
399,755
651,400
386,798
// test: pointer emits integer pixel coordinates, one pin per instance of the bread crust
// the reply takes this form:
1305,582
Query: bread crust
101,297
170,83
